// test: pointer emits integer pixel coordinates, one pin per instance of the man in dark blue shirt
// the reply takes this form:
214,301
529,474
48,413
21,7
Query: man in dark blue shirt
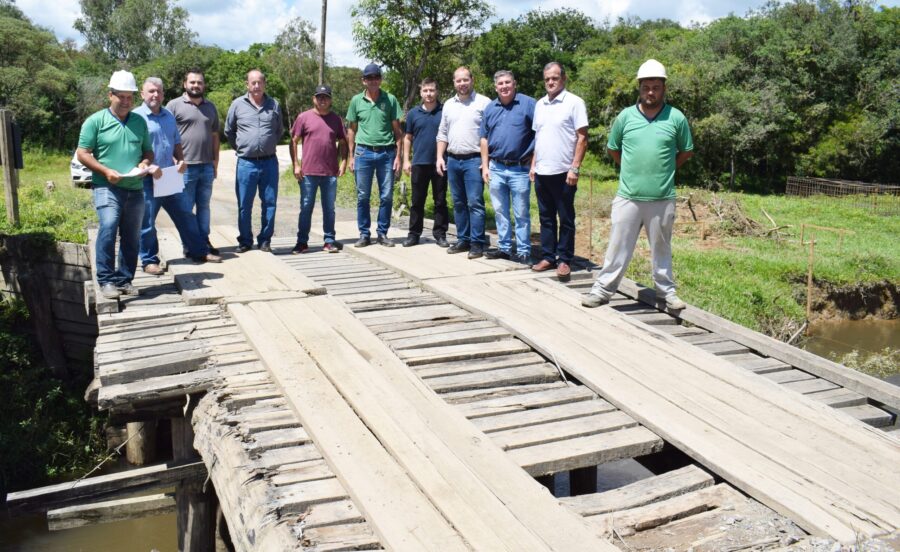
507,145
421,136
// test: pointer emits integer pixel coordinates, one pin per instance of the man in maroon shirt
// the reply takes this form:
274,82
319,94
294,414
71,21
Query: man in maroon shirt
320,134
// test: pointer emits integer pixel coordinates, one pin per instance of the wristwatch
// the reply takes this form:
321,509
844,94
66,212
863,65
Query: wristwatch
575,170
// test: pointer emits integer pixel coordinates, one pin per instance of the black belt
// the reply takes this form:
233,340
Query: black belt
377,148
262,158
464,156
509,162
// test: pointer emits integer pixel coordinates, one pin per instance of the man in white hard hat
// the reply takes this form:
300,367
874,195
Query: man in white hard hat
113,142
649,141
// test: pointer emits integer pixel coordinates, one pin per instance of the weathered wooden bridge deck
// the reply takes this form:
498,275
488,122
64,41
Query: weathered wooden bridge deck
406,398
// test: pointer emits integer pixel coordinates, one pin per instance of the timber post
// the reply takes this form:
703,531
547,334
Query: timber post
195,508
141,446
10,172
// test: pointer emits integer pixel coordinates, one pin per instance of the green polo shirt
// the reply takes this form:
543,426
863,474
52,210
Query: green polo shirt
649,148
374,118
116,144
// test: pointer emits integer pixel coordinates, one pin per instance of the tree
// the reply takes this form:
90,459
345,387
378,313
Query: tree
293,59
526,44
405,35
134,31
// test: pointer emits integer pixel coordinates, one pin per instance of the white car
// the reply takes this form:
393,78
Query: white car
81,175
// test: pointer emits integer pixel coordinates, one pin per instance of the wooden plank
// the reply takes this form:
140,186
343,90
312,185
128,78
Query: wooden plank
470,395
810,386
536,416
550,432
593,450
279,438
756,363
646,491
726,347
412,314
839,397
430,439
110,511
350,536
788,376
481,335
436,330
148,350
647,517
465,351
158,476
519,375
161,365
851,379
378,485
298,497
868,414
497,406
302,471
438,369
331,513
156,389
793,454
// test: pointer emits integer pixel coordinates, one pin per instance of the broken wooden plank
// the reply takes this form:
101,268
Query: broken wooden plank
110,511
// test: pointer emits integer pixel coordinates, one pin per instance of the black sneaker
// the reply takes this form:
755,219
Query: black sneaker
363,241
411,241
458,247
212,249
493,254
265,247
243,248
299,248
476,251
441,241
385,241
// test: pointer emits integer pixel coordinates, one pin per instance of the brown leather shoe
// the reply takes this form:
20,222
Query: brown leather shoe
153,269
563,271
543,266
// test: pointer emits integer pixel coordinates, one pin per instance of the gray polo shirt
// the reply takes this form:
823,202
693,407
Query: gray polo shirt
461,124
197,125
254,132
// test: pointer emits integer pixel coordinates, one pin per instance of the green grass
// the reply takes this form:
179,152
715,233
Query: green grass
62,212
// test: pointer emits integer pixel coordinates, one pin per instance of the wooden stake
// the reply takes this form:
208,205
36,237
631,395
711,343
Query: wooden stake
195,508
141,449
10,173
809,281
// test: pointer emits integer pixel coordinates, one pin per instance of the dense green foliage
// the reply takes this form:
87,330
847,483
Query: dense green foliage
47,431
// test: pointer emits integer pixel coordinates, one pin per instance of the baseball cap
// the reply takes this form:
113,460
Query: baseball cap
323,90
372,70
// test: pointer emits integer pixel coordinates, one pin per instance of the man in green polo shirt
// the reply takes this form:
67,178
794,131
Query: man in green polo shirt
374,139
649,141
115,145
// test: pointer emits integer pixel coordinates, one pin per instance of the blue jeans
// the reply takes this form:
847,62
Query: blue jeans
467,190
511,184
119,211
183,218
308,187
256,175
556,198
379,163
198,183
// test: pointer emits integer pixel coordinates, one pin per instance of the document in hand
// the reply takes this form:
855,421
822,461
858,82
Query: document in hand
170,183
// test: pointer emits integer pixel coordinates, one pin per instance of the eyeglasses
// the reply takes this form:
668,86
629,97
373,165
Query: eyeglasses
123,95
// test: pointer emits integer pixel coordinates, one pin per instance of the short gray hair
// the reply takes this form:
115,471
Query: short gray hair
504,73
155,81
562,70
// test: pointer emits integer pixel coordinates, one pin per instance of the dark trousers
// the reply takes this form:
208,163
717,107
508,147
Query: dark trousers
421,176
556,199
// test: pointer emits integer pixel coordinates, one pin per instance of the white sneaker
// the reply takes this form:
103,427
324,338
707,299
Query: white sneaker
593,300
674,303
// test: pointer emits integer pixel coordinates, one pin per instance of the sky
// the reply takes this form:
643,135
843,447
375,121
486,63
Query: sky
235,24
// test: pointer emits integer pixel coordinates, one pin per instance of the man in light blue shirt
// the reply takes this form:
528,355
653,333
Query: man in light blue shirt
166,142
507,144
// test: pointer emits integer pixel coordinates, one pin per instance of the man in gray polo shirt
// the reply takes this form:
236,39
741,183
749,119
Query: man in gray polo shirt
253,127
198,124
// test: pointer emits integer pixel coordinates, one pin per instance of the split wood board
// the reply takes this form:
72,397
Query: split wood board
493,504
819,467
253,272
101,303
424,261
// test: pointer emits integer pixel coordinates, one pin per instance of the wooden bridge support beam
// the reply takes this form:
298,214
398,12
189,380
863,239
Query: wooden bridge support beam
141,446
195,501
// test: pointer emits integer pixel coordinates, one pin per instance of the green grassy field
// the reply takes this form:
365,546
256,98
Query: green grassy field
61,212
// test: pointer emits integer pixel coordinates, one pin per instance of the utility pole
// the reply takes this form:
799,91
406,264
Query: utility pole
322,44
10,172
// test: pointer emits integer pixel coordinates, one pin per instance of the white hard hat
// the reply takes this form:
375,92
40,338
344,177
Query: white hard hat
123,81
652,69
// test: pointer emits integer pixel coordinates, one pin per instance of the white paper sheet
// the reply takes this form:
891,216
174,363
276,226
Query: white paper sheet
137,171
170,183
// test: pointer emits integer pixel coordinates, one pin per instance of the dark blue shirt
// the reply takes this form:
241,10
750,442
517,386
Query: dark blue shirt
508,128
423,125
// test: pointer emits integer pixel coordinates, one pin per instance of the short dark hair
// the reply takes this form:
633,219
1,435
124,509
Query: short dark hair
562,70
196,71
428,80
